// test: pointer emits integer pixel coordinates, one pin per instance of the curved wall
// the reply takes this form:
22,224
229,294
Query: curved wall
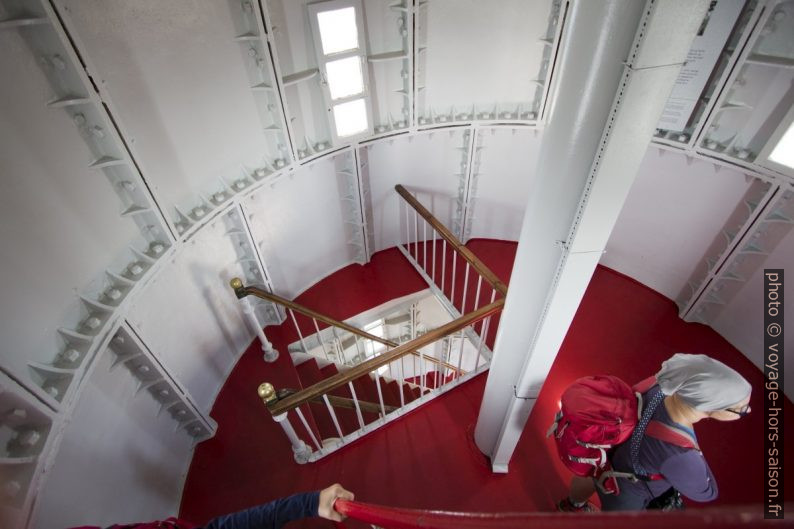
182,155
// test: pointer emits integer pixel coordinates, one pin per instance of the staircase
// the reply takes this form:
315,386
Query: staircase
339,402
310,373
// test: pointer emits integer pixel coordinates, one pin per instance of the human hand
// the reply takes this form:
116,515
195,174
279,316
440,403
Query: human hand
327,498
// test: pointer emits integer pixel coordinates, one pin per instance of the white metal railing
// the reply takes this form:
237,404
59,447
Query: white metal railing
414,385
464,285
344,349
458,278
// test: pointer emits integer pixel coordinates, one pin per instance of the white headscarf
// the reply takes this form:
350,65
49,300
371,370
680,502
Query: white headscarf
702,382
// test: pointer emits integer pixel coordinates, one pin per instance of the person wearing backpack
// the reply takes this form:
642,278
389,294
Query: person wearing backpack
661,457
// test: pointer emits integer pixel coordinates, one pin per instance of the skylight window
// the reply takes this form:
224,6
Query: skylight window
344,77
351,118
338,30
783,153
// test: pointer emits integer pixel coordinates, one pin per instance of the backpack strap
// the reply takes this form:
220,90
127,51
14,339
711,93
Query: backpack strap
652,401
671,434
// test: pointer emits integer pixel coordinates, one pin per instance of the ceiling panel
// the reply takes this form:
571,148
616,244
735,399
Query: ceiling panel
61,220
428,164
303,225
471,53
675,208
178,75
502,179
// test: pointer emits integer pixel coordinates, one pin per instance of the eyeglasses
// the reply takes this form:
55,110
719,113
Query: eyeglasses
741,413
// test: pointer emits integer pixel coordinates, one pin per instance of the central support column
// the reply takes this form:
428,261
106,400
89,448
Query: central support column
620,61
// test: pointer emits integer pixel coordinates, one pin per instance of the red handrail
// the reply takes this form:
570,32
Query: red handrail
395,518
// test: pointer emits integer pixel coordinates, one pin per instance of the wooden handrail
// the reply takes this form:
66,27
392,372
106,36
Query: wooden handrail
340,379
339,402
243,291
458,246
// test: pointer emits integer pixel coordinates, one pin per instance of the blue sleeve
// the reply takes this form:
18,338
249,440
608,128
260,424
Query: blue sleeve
689,473
270,515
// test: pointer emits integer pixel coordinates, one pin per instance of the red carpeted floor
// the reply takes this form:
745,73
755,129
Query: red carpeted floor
427,459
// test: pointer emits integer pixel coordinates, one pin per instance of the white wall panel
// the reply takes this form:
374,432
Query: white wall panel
673,212
429,164
299,224
480,55
61,225
741,321
502,181
295,53
135,467
189,317
179,87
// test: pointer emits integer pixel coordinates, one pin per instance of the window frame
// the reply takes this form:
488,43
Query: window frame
323,59
763,157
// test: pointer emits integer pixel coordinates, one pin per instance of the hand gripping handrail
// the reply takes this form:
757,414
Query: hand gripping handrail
458,246
243,291
397,518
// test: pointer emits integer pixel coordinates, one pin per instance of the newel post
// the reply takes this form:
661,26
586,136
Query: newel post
301,451
248,309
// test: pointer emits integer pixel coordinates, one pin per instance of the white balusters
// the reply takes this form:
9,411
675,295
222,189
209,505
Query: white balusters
433,273
443,264
309,430
248,309
416,236
402,382
298,329
333,416
356,404
423,375
300,450
477,295
465,289
320,338
407,231
460,351
483,337
454,276
484,327
424,246
380,394
358,349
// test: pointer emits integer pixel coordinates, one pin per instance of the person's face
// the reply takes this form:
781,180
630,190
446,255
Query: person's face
734,412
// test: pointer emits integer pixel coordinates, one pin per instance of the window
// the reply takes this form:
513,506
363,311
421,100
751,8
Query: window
342,59
338,30
344,77
350,118
783,153
778,153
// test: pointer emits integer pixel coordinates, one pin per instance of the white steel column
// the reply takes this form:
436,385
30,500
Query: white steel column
620,61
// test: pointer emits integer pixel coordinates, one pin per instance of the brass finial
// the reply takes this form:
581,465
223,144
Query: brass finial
266,392
236,283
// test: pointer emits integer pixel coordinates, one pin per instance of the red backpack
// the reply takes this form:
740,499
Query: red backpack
598,413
